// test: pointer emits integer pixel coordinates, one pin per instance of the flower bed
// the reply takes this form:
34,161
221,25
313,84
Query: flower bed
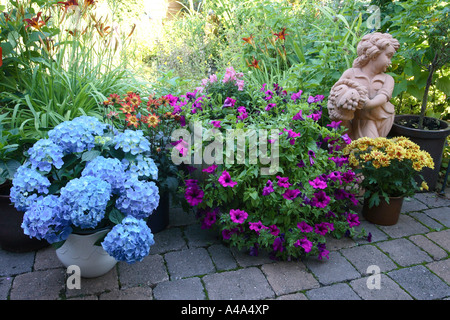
289,211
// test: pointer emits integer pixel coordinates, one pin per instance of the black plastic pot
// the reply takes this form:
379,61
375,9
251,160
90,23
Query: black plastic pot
432,141
159,219
12,237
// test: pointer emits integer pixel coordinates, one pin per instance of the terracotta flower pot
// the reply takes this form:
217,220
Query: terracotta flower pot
385,214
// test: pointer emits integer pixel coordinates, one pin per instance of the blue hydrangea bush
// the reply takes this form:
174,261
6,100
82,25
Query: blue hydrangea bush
85,177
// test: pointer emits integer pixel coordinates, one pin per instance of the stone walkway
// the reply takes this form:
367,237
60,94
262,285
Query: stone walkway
408,261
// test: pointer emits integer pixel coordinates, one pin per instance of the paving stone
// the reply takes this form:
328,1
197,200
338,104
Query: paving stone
244,259
406,226
440,214
366,255
198,237
168,240
222,257
90,286
12,263
182,289
289,277
336,269
429,246
338,291
39,285
243,284
5,287
412,204
46,259
178,218
432,200
293,296
136,293
441,269
404,252
442,238
426,220
148,272
420,283
336,244
375,233
187,263
388,290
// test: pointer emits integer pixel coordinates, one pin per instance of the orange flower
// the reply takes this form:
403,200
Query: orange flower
126,108
281,35
68,4
164,100
35,23
248,40
113,99
153,120
254,63
133,99
132,120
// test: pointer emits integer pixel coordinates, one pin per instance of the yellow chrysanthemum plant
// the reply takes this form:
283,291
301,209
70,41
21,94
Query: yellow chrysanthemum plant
389,167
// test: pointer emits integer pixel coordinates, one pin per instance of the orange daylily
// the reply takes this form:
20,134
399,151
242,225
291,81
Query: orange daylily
254,63
68,4
281,35
248,40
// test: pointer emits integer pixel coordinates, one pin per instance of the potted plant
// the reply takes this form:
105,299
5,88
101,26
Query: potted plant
289,210
388,168
87,182
153,116
427,47
12,146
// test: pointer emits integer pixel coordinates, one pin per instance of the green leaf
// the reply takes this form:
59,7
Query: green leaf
443,84
90,155
115,216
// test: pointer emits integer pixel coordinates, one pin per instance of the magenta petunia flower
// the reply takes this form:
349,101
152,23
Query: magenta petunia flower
346,138
256,226
297,95
238,216
190,182
304,243
194,195
283,182
334,124
348,176
209,220
311,99
320,199
322,251
225,180
270,106
210,169
273,229
323,227
318,183
216,123
229,102
304,227
298,116
291,194
311,155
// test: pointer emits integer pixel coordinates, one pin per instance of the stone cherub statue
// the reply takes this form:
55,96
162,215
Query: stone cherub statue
360,98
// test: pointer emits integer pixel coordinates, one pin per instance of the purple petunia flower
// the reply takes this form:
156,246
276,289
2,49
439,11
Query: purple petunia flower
209,220
268,188
216,123
238,216
225,180
311,155
311,99
210,169
229,102
298,116
194,195
256,226
278,244
283,182
291,194
270,106
318,183
320,199
346,138
296,96
304,243
273,229
334,124
339,161
353,220
304,227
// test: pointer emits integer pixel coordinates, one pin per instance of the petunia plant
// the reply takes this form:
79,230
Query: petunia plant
85,177
293,207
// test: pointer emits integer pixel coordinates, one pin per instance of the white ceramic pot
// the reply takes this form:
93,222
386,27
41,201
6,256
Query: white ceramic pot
79,250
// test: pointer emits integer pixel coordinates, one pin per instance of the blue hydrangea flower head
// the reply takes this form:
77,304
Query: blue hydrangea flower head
110,170
85,200
27,184
129,241
142,167
138,199
44,220
132,141
77,135
45,153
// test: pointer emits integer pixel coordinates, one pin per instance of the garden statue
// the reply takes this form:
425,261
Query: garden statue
360,98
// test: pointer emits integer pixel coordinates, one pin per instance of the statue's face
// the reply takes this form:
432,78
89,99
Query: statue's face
383,61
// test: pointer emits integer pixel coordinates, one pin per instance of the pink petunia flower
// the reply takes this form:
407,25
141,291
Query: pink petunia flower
210,169
304,227
238,216
304,243
291,194
283,182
